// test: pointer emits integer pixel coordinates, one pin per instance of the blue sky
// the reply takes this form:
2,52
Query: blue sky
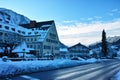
72,16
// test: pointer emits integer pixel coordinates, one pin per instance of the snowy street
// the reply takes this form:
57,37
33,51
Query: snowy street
96,71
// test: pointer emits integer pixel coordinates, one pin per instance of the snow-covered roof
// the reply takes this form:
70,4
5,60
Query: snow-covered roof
40,28
22,48
17,29
23,31
63,49
79,45
38,24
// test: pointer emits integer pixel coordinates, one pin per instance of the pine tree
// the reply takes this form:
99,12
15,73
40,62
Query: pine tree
104,44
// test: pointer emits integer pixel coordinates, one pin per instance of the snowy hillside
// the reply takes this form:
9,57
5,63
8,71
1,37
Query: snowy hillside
113,46
11,17
113,39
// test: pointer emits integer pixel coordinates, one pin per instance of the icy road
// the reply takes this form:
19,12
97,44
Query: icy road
96,71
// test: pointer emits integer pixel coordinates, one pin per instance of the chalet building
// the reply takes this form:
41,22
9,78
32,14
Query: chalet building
78,50
41,37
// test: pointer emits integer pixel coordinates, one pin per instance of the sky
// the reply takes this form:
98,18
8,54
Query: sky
77,21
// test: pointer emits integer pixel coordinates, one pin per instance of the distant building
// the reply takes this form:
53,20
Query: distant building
78,50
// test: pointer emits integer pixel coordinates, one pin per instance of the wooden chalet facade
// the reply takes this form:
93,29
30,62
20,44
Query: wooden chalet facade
78,50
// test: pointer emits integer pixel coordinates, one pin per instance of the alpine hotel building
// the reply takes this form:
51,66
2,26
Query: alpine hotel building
40,37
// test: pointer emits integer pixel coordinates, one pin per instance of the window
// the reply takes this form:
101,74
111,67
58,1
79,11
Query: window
48,40
52,35
13,29
36,32
6,27
34,46
23,32
6,34
28,46
0,19
1,33
38,46
8,18
52,41
27,39
56,48
19,31
29,33
7,21
35,39
31,39
0,26
31,46
47,47
32,29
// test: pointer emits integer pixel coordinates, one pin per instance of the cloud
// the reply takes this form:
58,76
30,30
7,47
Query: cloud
93,19
114,11
111,14
69,21
89,19
86,33
98,17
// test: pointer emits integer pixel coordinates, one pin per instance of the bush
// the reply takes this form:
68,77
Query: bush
4,58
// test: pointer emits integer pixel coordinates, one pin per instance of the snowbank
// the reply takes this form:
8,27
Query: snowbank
8,69
116,76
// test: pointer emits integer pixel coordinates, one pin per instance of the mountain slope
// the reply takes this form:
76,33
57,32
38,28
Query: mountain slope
11,17
113,39
113,44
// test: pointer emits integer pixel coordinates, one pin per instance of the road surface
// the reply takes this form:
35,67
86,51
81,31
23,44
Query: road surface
96,71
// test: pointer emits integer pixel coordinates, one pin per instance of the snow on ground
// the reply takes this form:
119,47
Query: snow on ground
116,76
10,68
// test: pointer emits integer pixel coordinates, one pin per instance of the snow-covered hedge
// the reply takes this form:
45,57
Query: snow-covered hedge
8,69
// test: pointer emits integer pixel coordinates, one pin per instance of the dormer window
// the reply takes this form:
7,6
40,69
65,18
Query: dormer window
32,29
13,29
8,18
29,33
6,27
19,31
7,21
23,32
36,32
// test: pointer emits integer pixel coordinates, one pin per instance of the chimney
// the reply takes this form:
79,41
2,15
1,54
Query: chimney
32,23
